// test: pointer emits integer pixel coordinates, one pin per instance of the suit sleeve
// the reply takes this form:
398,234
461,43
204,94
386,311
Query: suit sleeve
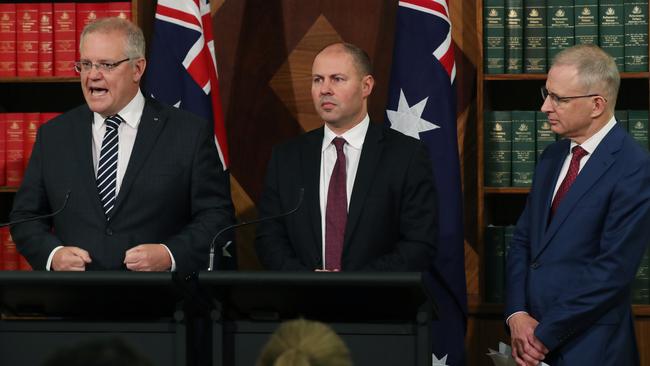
605,281
272,241
517,262
418,220
211,206
34,239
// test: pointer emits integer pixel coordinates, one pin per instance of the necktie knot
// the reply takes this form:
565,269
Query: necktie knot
114,121
338,143
578,152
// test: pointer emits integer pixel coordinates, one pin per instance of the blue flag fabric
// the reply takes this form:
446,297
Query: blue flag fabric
181,70
422,104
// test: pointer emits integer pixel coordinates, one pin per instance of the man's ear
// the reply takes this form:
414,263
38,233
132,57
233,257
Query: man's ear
367,83
138,69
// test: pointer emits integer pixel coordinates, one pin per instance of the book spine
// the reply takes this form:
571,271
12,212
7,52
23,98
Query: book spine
7,40
3,149
15,153
586,21
636,36
560,30
514,36
535,36
26,40
523,148
32,121
498,148
494,36
45,40
638,126
10,254
120,9
621,118
494,264
612,30
65,43
544,136
86,13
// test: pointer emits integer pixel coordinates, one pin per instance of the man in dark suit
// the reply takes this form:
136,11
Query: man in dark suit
369,197
147,190
586,224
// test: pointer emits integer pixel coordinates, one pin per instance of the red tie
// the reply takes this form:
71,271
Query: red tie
572,173
336,212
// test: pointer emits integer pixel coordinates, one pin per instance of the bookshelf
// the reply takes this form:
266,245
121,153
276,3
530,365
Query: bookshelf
55,93
503,205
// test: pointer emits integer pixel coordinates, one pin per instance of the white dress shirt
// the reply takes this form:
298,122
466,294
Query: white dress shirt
589,146
131,114
354,138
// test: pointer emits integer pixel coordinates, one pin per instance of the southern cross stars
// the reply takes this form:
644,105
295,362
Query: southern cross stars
407,119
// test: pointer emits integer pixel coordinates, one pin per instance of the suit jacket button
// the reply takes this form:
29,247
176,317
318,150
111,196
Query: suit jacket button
109,232
534,265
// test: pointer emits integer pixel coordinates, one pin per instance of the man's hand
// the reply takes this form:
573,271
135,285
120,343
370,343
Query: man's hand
527,350
70,259
148,257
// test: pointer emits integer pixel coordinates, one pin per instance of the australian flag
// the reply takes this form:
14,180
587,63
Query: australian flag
181,69
422,104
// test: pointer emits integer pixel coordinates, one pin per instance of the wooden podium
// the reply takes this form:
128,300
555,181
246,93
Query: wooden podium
384,318
44,311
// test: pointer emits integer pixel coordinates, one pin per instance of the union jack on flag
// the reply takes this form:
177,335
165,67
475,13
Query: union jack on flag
422,104
182,68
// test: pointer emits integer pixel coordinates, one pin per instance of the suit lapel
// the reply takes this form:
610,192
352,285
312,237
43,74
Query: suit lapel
83,136
311,156
151,123
368,162
596,166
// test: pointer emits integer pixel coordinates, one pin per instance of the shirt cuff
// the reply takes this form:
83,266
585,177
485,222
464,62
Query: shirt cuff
173,267
513,314
48,265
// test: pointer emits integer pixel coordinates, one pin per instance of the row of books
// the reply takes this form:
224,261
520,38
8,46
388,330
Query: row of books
17,136
497,242
514,140
523,36
41,39
10,259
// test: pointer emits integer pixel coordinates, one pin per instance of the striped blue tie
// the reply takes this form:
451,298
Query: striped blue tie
107,167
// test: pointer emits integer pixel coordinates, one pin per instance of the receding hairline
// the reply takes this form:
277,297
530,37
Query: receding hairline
360,58
134,42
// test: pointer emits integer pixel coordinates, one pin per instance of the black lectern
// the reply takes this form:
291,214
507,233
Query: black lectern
43,311
384,318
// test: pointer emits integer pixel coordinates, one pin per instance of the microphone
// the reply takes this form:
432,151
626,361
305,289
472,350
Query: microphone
244,223
65,202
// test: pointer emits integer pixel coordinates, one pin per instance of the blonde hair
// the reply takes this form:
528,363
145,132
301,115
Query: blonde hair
303,342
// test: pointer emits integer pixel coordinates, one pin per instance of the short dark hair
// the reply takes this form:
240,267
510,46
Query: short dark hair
359,56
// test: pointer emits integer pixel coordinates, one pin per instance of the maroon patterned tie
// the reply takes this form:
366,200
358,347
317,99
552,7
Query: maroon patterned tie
572,173
336,211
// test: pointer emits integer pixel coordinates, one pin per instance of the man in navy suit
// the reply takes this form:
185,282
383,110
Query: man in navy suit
586,224
369,197
147,188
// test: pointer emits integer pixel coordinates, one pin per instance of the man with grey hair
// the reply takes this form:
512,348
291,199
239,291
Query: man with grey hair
147,189
579,241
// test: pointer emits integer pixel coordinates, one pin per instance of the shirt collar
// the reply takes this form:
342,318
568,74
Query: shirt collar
592,143
354,136
131,113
